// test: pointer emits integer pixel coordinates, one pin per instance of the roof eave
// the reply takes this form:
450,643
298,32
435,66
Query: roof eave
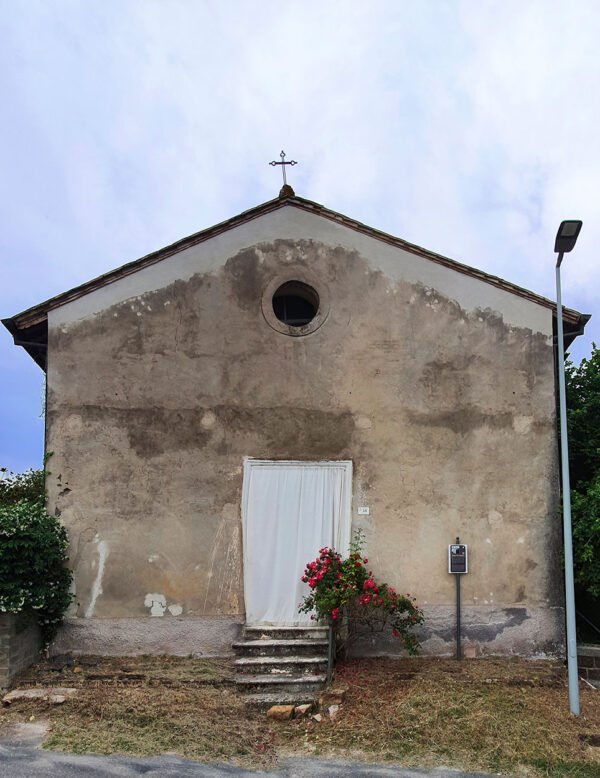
33,339
571,331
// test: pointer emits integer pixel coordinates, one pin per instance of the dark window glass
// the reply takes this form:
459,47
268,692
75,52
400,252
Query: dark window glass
295,303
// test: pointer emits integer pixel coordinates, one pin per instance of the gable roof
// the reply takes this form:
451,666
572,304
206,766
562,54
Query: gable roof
30,327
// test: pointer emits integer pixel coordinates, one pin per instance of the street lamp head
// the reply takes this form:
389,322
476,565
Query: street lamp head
566,237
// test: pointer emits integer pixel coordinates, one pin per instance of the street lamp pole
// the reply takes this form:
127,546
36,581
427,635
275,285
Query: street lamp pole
565,241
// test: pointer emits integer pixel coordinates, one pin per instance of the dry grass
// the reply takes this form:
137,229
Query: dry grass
507,716
147,705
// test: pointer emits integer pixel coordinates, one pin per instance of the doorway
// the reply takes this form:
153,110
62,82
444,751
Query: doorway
290,510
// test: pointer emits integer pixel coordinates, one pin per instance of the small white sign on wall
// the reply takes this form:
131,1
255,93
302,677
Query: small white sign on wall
363,511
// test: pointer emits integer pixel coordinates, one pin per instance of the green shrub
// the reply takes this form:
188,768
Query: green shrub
583,417
33,553
586,536
344,591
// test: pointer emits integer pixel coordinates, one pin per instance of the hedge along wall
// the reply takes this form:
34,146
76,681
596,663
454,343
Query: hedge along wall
34,579
20,644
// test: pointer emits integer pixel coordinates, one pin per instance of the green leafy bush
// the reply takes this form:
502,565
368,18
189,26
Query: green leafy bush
586,536
583,417
342,590
33,553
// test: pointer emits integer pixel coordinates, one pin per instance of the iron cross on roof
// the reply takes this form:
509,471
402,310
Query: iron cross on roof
283,163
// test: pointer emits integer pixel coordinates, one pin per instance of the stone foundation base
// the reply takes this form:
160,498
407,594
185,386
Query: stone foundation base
534,632
208,636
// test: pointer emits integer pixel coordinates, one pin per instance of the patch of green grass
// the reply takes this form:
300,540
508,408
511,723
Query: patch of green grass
566,769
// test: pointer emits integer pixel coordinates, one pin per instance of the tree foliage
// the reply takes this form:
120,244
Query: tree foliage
33,553
583,418
20,486
585,506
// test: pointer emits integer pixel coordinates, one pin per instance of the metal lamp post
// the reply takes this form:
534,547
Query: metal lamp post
566,238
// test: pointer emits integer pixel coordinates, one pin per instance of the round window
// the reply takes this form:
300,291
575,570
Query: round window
295,303
291,304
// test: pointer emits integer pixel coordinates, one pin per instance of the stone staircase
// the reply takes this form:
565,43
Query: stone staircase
281,665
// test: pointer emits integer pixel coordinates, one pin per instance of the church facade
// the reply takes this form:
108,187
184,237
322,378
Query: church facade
221,409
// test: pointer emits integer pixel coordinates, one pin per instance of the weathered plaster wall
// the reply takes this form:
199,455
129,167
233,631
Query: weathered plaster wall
437,386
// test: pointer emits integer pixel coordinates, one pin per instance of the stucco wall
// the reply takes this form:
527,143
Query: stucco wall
437,386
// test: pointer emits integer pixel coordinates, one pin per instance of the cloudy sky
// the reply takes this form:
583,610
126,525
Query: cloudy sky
470,128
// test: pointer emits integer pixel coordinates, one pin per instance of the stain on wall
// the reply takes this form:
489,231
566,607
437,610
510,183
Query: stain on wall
447,414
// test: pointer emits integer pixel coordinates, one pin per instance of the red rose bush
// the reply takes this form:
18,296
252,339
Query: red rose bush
343,590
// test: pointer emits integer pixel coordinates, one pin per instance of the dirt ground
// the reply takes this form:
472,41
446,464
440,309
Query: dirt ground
503,715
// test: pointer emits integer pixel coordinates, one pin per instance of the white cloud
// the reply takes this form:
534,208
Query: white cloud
467,127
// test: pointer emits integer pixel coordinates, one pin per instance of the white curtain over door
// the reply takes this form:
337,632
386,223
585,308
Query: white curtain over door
290,510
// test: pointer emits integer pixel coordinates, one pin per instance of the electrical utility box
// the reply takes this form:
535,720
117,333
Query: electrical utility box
458,559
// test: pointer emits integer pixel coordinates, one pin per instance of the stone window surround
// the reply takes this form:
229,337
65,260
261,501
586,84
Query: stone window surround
306,277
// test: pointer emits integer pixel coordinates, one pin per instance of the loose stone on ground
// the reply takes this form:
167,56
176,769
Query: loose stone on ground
280,712
302,710
333,696
55,694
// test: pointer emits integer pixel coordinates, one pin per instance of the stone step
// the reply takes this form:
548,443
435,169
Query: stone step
264,700
258,632
281,647
281,684
282,665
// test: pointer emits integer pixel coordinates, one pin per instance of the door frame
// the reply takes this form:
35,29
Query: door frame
346,512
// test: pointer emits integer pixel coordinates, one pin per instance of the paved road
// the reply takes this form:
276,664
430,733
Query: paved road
21,757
